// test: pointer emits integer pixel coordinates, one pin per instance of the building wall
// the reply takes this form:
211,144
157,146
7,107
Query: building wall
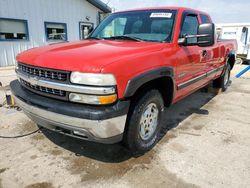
36,12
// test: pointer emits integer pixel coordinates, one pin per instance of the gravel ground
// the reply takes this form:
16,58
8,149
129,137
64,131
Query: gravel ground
206,144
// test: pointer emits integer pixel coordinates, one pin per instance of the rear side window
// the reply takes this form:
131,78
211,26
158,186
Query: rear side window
204,19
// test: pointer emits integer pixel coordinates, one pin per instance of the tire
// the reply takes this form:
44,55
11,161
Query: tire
223,82
239,61
144,122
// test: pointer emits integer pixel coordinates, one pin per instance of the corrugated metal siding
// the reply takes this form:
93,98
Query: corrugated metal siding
37,12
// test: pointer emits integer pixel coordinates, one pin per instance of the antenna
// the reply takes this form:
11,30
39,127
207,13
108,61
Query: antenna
108,1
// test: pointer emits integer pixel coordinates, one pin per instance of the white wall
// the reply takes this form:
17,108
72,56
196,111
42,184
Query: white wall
37,12
236,32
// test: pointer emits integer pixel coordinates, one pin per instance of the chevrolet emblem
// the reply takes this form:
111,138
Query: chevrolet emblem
33,80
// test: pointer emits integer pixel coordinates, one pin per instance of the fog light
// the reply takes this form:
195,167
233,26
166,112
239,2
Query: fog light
78,133
92,99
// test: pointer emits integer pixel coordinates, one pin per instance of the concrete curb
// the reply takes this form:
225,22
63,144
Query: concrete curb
7,68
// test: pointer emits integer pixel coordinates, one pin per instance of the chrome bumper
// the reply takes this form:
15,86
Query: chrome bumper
105,131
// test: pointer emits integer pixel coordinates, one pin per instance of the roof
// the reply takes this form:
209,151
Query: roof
99,4
233,24
167,8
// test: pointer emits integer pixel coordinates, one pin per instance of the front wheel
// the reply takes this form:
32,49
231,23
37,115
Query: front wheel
223,82
144,122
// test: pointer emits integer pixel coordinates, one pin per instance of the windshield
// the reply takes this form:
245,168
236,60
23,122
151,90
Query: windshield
150,25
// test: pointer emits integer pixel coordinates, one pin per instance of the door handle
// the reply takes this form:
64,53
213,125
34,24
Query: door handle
204,53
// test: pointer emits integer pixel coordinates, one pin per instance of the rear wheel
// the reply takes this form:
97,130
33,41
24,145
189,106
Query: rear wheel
144,122
223,82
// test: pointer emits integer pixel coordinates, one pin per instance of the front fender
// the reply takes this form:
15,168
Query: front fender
135,83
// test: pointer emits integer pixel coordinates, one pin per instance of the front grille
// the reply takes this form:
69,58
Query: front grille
44,90
44,73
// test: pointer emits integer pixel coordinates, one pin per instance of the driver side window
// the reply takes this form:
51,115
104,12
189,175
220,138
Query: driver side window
190,27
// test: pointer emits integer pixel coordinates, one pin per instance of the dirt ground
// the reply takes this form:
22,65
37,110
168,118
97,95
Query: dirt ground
206,144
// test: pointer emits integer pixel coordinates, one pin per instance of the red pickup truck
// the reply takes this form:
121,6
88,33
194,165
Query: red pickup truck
115,85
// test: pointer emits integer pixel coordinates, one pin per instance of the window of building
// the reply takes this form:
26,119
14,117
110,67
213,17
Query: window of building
85,29
56,31
205,19
101,16
244,35
13,29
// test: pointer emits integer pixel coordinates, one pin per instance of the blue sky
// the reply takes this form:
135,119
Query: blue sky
222,11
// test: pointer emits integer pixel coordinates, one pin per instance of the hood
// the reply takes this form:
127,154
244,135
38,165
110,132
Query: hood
87,55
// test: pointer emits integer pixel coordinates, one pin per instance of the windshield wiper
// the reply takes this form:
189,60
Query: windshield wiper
124,37
95,38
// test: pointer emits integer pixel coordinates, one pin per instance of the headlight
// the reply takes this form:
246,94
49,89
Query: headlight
92,99
93,79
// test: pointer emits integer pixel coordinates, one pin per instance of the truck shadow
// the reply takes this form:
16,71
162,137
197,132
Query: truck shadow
193,104
116,153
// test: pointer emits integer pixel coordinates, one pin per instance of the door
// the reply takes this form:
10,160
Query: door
85,29
211,54
192,59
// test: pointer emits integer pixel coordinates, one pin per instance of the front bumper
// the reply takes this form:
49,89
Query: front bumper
104,124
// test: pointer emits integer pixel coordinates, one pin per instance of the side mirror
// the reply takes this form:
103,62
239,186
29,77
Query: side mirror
204,38
207,31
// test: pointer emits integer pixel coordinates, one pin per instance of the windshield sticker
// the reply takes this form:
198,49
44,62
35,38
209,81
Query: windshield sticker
161,15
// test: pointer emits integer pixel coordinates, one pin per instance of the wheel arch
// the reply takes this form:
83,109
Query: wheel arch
161,79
